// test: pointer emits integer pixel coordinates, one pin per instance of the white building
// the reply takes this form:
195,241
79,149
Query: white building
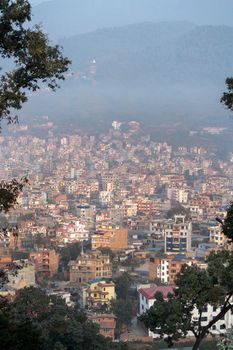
156,227
146,299
177,233
74,232
178,194
217,236
65,296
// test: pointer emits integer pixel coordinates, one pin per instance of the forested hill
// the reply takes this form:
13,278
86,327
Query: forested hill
156,53
63,18
148,70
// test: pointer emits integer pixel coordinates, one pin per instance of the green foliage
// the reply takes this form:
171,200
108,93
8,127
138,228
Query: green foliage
123,283
69,252
35,60
122,309
38,321
167,315
9,191
177,210
227,342
227,98
227,226
196,288
23,336
109,252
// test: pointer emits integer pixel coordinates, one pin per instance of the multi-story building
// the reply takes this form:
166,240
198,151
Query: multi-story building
89,266
217,236
146,206
178,194
115,238
178,235
146,299
165,269
25,276
46,262
107,324
85,211
98,292
156,228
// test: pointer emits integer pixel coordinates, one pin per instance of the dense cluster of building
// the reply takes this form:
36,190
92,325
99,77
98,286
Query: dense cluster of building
133,204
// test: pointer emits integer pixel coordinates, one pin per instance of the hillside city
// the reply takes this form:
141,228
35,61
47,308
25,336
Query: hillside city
117,209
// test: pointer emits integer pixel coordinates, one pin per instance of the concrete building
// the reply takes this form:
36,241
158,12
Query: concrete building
165,269
178,235
98,292
115,238
89,266
25,276
107,324
146,299
217,236
178,194
46,262
85,211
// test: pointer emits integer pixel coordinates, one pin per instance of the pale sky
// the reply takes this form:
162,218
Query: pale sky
35,2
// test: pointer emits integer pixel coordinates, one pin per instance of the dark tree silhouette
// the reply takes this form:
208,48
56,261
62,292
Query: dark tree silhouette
227,98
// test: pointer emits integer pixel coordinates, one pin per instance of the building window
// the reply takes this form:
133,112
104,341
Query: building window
204,319
204,309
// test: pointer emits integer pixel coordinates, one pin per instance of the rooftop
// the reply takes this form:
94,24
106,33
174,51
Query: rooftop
149,293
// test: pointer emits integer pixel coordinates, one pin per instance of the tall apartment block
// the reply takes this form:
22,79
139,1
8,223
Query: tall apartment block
178,235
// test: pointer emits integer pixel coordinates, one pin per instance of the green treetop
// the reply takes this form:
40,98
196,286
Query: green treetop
172,318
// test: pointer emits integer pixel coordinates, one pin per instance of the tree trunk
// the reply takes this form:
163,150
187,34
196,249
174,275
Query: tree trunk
198,341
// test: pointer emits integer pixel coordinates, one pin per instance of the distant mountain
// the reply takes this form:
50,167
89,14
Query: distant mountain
168,70
70,17
165,53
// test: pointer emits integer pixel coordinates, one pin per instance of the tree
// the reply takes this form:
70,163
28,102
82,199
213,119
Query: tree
123,283
227,98
35,63
35,320
172,318
108,251
227,223
227,342
178,209
69,252
196,289
122,309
